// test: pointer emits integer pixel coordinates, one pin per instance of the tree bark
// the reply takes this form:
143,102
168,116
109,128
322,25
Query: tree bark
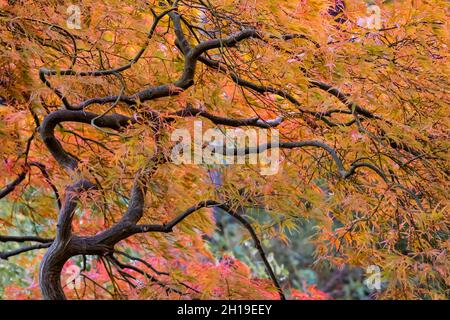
50,273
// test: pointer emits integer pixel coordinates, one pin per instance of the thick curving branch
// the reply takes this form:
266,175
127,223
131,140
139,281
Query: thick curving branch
59,251
65,244
47,128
